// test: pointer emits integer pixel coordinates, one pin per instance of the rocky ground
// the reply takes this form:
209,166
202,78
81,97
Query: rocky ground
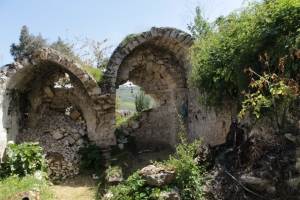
262,167
257,166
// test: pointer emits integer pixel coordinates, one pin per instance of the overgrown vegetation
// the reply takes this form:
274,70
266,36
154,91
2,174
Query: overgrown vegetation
17,170
230,44
22,159
189,177
91,158
275,95
142,101
17,187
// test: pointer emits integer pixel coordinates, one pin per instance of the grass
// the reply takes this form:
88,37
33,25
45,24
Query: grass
14,185
127,106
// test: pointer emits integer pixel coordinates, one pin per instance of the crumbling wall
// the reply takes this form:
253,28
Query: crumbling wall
158,62
28,92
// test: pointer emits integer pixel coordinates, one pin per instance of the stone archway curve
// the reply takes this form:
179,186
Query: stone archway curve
48,54
161,53
171,38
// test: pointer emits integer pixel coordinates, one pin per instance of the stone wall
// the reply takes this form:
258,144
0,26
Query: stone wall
27,92
156,60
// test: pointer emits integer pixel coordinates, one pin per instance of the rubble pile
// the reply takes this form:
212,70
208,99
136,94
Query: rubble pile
60,137
263,166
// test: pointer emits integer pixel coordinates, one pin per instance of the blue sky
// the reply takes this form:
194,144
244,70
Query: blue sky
98,19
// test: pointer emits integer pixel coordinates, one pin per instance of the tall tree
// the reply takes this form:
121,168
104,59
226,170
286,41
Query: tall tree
28,44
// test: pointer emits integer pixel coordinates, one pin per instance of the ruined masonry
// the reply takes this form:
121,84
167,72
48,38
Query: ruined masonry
156,60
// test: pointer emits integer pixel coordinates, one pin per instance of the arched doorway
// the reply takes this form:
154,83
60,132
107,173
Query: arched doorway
157,62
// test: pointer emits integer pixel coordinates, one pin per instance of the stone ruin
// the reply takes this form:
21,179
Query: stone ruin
33,108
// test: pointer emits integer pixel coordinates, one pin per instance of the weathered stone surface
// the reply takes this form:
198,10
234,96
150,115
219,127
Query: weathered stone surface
125,132
157,176
48,91
255,183
70,140
294,182
135,126
124,125
76,136
172,195
79,142
57,135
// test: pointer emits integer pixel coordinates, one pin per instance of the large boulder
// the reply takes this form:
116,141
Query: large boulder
157,176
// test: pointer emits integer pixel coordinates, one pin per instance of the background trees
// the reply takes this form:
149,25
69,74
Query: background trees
28,44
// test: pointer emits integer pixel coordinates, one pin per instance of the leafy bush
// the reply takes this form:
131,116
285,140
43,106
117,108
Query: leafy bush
222,49
189,176
23,159
91,157
142,101
274,96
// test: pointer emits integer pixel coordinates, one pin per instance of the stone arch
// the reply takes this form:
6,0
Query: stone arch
22,88
157,61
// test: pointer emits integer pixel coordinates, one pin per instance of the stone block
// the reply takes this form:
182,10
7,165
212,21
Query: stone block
74,115
76,136
135,126
79,142
48,92
70,140
57,135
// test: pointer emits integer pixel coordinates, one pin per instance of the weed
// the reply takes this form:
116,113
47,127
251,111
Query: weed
15,185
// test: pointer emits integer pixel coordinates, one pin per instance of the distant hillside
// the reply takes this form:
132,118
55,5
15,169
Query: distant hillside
126,98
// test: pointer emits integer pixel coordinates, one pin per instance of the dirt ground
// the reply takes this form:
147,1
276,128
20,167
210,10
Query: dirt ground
83,187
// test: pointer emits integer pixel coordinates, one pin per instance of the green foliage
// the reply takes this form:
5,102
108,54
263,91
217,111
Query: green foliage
220,55
23,159
95,72
14,185
274,96
189,177
200,27
91,158
28,44
63,48
142,101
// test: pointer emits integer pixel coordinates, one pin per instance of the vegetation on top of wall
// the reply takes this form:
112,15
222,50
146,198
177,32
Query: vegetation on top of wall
224,48
89,53
129,37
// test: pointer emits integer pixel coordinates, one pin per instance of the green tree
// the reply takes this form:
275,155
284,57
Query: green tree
28,44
